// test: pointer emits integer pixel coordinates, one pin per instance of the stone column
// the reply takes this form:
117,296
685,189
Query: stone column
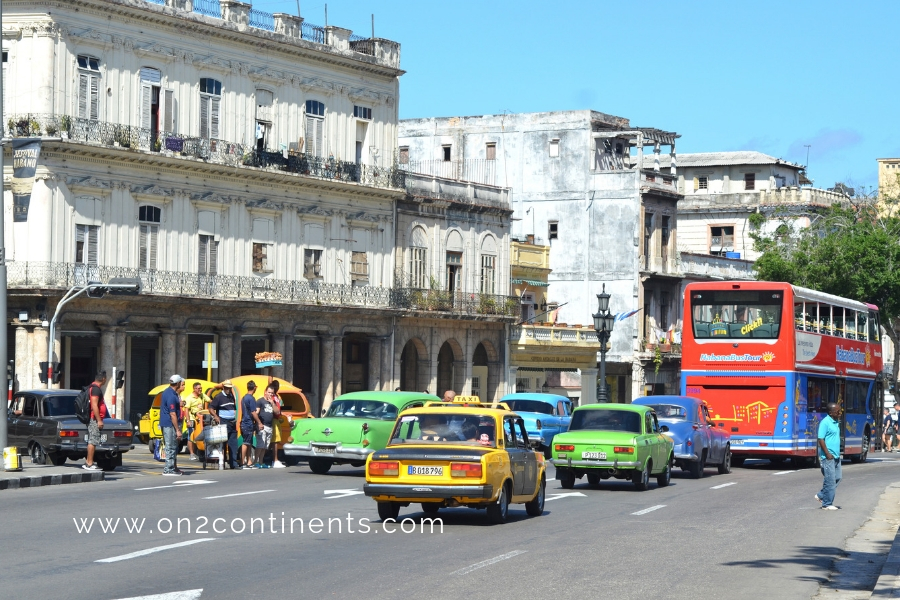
495,388
672,164
588,386
181,344
236,354
338,365
462,377
39,338
24,372
655,157
376,377
511,382
327,385
276,343
107,357
121,410
288,353
224,355
387,382
167,353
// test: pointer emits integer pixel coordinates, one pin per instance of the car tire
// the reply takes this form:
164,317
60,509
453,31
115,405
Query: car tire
291,461
358,463
388,510
566,481
58,459
641,479
725,467
38,456
697,467
535,507
431,507
663,479
593,478
320,466
548,452
499,511
151,445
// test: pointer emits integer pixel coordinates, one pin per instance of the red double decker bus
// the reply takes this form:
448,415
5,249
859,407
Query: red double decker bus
769,357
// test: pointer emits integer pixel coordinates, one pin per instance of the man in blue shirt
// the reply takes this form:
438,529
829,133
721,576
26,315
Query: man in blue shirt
829,438
170,423
249,422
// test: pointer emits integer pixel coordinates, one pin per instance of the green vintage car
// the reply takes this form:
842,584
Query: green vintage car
355,425
613,440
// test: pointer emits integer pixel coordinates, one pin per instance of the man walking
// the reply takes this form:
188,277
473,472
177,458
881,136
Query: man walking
223,409
266,415
170,421
95,425
830,456
249,420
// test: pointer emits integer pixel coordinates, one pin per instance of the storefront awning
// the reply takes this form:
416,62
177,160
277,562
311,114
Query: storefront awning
531,282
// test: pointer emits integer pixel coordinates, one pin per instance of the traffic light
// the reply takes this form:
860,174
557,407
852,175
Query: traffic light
124,285
57,373
43,373
120,379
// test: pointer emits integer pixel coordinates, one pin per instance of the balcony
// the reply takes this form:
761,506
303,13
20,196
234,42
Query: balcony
180,284
658,181
555,335
214,151
475,170
473,195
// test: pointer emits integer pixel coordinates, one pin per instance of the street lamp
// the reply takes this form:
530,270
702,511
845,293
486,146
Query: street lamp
604,321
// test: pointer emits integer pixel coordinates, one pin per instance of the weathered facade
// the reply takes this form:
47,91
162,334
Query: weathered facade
577,186
241,166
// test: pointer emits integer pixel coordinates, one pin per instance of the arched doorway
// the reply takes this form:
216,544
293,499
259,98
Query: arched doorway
412,363
480,373
445,369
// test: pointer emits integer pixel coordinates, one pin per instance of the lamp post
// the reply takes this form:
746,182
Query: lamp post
604,321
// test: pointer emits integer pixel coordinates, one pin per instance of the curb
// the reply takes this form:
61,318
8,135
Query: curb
888,584
42,480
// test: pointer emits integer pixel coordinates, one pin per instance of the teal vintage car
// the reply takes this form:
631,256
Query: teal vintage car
623,441
355,425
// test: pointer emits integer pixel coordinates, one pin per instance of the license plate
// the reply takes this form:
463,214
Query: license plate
594,455
323,450
437,471
102,438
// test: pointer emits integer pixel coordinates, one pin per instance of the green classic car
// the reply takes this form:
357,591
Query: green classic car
355,425
613,440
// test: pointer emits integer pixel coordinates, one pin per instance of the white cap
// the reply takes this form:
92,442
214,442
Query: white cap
176,379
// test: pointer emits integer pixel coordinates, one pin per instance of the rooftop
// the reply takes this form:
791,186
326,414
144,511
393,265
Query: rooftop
719,159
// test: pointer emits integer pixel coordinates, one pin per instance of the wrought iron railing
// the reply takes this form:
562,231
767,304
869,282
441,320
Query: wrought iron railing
262,20
210,8
362,45
212,150
313,33
476,170
62,276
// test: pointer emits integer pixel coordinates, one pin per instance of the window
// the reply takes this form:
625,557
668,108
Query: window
264,101
490,151
749,181
5,62
261,258
819,393
488,274
522,384
149,217
88,87
362,112
648,233
315,127
418,267
552,230
210,100
404,155
359,266
150,80
701,183
554,148
209,255
446,152
721,240
454,271
664,311
312,264
86,244
666,220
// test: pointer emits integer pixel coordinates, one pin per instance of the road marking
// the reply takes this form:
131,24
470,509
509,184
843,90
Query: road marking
784,472
558,496
152,550
651,509
341,493
185,595
180,484
488,562
719,487
232,495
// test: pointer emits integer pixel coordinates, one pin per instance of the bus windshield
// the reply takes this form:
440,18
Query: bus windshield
732,314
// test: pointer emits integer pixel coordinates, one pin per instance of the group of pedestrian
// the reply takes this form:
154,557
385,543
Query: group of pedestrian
890,429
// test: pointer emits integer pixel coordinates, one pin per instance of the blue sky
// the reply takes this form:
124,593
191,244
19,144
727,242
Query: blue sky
764,75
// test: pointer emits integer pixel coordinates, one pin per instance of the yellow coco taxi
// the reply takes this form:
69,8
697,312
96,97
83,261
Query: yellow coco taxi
457,454
149,430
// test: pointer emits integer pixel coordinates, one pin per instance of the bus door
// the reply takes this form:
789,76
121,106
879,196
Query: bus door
840,385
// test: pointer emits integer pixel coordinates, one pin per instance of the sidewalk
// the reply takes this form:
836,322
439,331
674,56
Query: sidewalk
888,584
33,475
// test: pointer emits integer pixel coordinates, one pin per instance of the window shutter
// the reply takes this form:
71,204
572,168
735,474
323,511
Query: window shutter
145,106
79,243
142,247
83,91
5,108
203,252
151,246
310,136
204,117
320,125
93,235
213,256
95,98
169,111
696,183
214,118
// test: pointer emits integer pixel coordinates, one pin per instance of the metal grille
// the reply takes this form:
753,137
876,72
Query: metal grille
210,8
476,170
362,45
262,20
313,33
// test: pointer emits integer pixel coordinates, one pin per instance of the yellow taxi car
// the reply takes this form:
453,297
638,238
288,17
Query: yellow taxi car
148,428
462,453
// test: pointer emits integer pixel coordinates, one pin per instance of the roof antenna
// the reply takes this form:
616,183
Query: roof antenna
373,26
326,15
298,8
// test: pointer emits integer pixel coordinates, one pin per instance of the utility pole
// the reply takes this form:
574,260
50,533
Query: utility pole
3,281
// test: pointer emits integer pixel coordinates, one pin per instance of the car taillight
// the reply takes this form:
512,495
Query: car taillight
465,470
623,449
122,434
68,433
690,443
384,469
696,427
538,423
565,448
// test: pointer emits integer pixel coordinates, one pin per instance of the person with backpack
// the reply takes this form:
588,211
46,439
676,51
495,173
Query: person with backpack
95,424
170,421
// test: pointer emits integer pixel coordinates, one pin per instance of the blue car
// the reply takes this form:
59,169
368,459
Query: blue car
698,443
545,415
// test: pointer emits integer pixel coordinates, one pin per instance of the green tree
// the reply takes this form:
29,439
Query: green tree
851,251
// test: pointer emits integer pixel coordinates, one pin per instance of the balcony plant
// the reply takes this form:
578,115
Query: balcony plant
657,360
65,123
34,127
157,145
487,305
51,128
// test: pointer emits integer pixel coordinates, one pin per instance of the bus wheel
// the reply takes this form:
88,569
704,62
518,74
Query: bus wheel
864,453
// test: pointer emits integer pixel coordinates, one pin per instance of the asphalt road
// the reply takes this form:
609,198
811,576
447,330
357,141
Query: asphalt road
756,533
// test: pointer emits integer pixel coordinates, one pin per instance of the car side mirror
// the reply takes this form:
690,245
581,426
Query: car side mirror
663,428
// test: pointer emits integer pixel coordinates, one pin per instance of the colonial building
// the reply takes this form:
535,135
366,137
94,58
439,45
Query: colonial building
578,186
241,165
